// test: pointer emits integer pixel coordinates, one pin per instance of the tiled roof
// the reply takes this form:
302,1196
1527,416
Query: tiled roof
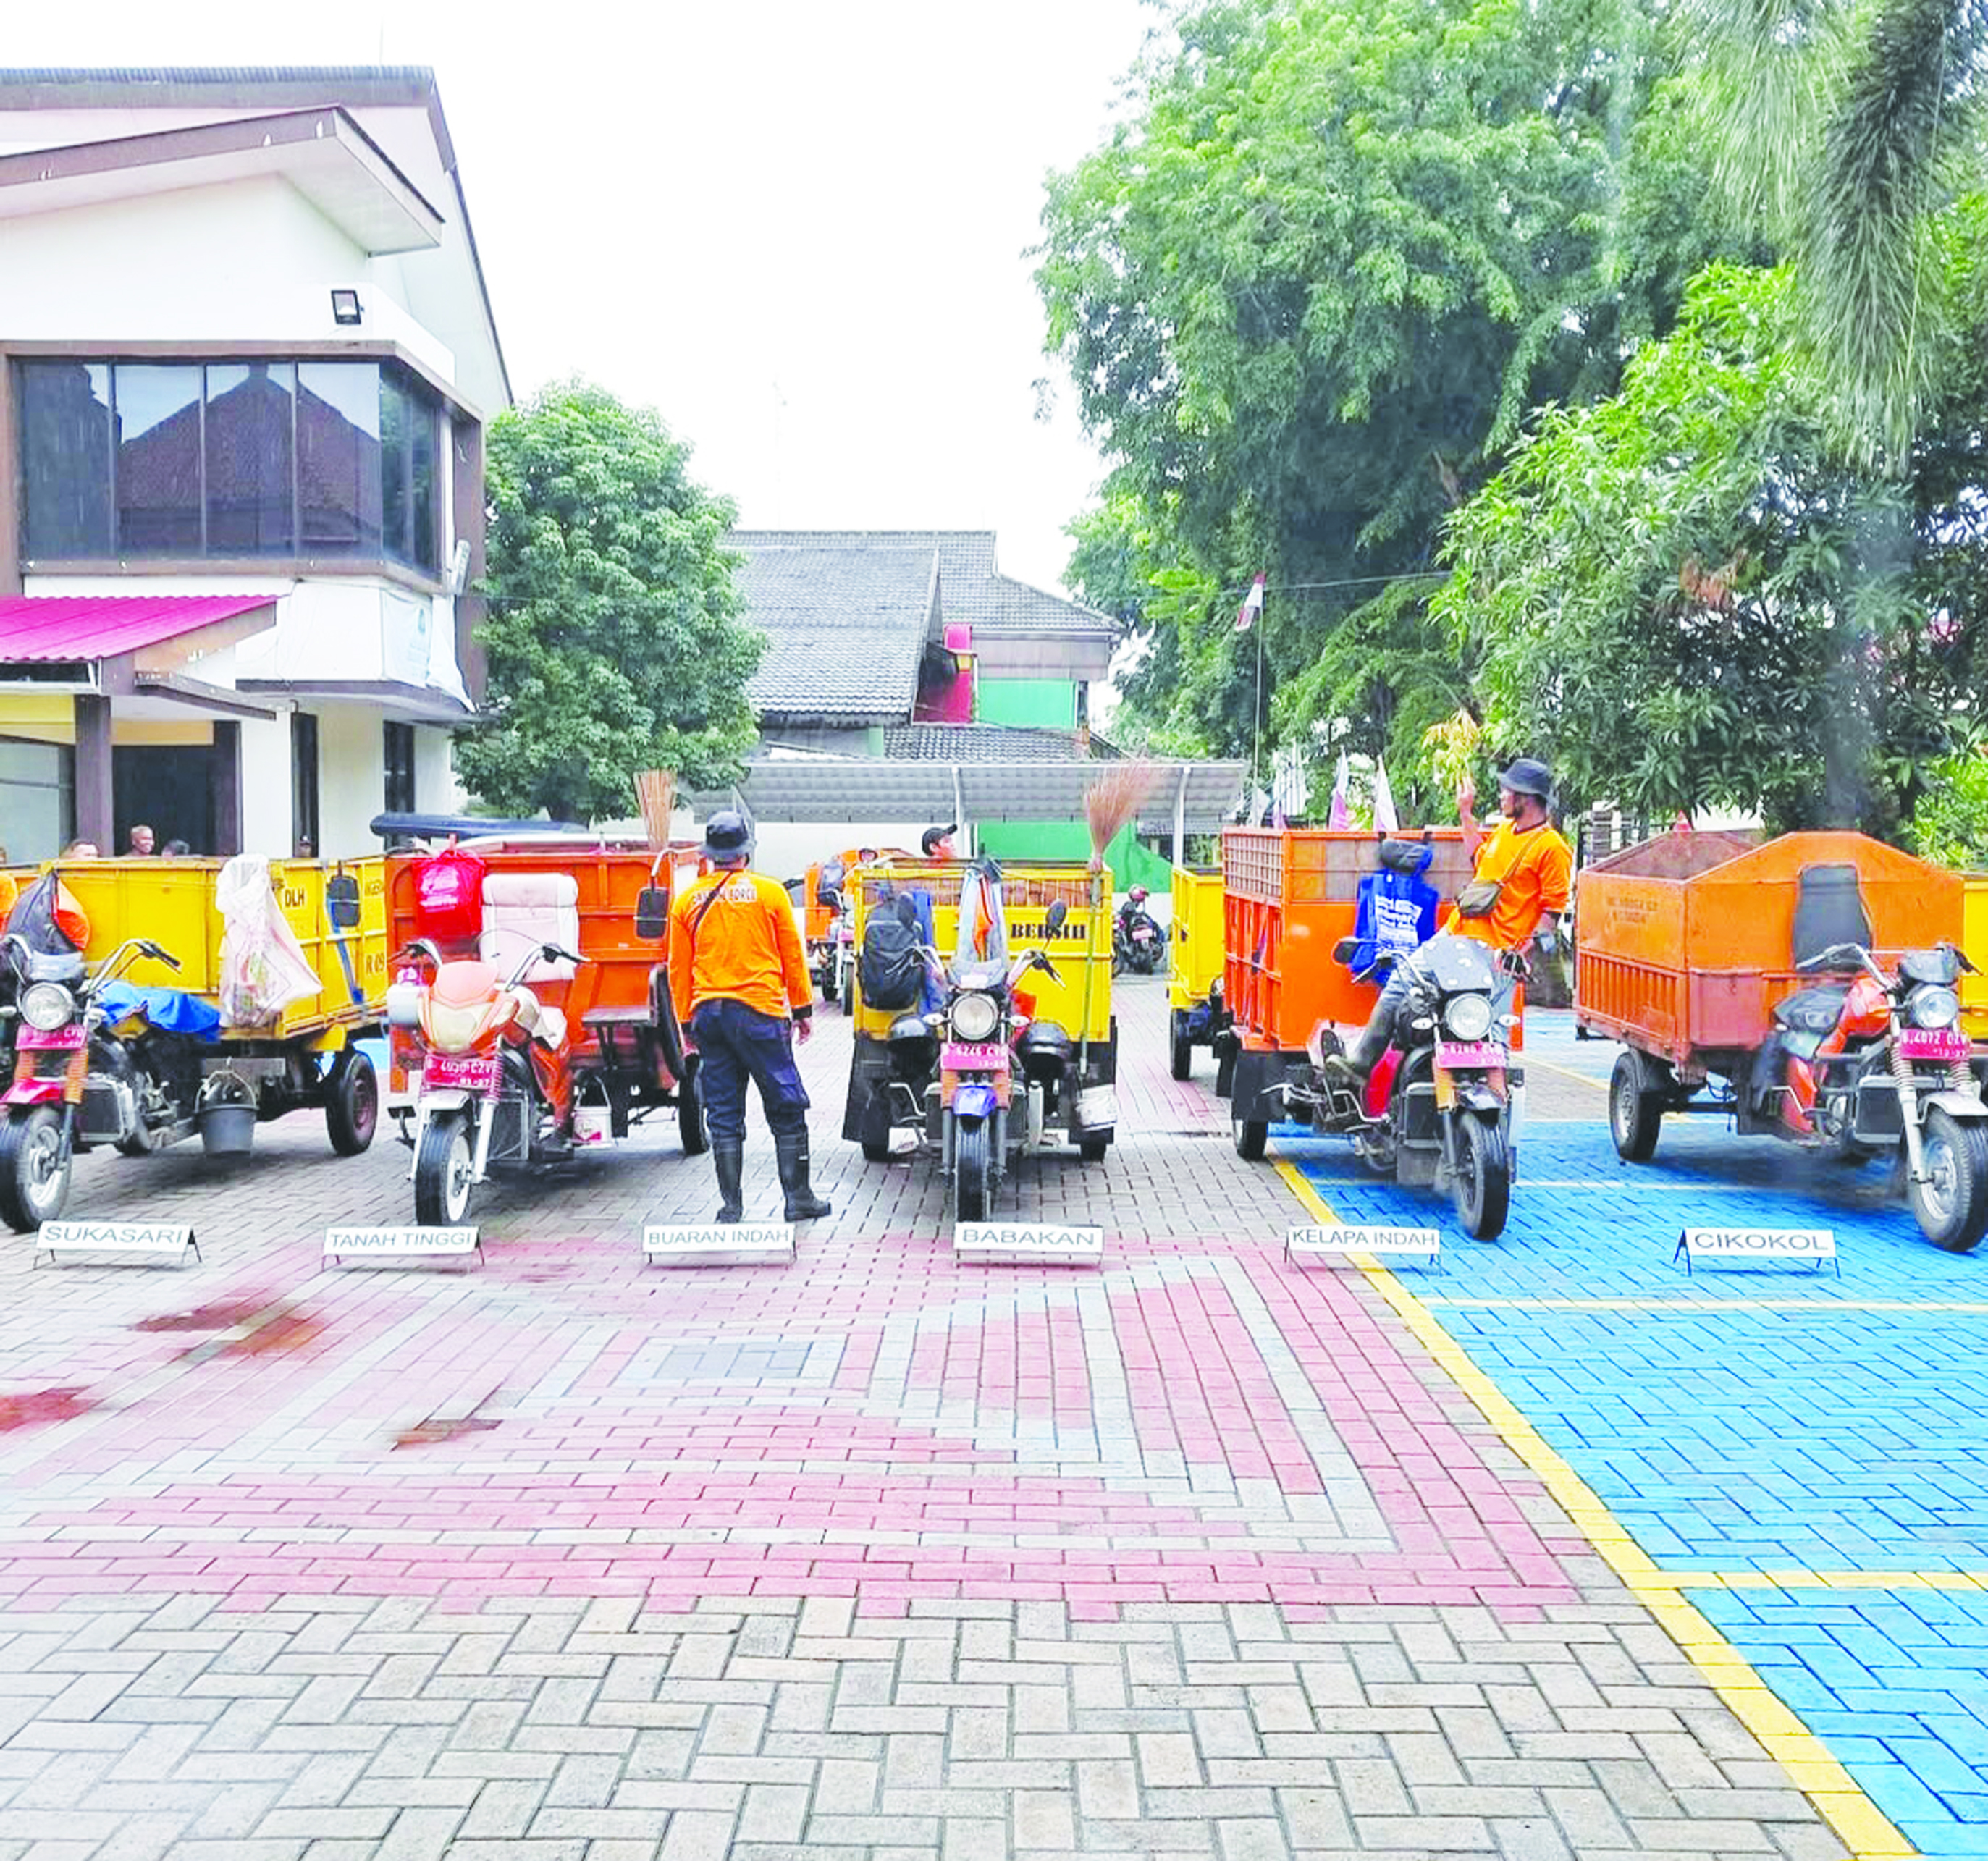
991,743
55,628
971,588
846,628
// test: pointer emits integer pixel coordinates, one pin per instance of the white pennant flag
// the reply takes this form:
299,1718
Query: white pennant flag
1385,819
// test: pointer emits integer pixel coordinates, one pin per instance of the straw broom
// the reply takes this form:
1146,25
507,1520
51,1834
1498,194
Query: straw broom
1110,804
656,791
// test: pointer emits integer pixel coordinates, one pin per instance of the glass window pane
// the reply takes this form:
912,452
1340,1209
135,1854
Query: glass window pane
66,457
249,487
423,471
158,459
338,458
395,411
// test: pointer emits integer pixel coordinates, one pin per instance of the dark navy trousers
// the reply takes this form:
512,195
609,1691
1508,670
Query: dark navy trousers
739,1043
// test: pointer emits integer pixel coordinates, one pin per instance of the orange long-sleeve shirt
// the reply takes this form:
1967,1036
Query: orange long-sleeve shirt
745,947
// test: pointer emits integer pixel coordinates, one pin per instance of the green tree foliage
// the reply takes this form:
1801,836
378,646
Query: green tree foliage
1949,826
1307,293
613,638
1686,598
1844,128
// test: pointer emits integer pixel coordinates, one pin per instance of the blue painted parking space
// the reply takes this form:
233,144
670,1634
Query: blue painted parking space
1895,1681
1773,1419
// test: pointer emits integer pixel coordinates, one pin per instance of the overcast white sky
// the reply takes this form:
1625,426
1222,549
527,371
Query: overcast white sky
795,229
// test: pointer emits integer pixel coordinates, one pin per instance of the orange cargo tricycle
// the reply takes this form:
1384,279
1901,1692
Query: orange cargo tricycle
1811,983
530,1017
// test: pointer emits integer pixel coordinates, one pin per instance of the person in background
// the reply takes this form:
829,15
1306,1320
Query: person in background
936,843
175,850
740,981
143,842
81,849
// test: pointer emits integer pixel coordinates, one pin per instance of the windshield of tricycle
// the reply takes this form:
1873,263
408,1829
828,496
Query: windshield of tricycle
1457,965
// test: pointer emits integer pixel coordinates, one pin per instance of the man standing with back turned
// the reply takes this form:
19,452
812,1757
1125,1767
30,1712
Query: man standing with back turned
740,982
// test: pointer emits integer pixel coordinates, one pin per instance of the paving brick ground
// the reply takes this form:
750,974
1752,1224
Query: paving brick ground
875,1556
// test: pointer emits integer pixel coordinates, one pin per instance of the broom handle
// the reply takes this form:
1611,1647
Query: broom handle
1090,975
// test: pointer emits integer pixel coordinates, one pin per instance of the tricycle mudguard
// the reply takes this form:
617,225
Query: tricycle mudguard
1474,1095
32,1091
1963,1106
971,1103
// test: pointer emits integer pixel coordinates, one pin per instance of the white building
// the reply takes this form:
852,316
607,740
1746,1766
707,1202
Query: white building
246,358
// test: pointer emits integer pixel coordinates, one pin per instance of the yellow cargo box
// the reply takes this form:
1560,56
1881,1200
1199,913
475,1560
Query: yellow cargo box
1081,948
1195,940
172,902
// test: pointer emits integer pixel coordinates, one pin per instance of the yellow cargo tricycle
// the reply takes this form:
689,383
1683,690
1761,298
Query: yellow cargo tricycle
983,1021
141,1036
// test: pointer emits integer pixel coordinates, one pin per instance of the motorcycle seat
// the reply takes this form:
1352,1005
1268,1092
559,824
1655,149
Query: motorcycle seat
1813,1011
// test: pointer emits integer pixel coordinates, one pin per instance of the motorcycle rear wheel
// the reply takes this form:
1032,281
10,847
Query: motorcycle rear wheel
691,1129
1482,1187
35,1176
442,1169
1183,1044
352,1103
970,1172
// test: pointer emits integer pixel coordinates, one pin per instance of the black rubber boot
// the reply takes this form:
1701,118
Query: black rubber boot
791,1147
1363,1055
728,1156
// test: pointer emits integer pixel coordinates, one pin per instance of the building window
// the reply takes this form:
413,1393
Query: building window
303,785
229,460
400,747
37,799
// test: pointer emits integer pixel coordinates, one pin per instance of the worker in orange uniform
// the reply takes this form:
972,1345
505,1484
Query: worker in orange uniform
741,985
1522,873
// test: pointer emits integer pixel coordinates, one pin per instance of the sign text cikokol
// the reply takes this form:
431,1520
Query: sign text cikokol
1742,1246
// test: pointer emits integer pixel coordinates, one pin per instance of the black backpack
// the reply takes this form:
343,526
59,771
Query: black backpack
892,968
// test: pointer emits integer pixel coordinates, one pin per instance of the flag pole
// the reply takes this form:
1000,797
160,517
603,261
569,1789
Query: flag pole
1257,716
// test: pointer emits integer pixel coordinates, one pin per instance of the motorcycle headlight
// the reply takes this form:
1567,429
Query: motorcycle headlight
45,1006
975,1017
1931,1007
1467,1017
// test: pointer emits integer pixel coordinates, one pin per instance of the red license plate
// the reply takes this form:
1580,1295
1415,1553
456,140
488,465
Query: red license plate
66,1038
1933,1044
460,1072
1469,1056
973,1056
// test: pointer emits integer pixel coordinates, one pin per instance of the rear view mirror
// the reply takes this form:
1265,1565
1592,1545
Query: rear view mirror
1343,950
1053,918
341,901
652,912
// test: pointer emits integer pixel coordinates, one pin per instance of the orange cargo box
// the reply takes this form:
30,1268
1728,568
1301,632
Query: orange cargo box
1290,894
1685,943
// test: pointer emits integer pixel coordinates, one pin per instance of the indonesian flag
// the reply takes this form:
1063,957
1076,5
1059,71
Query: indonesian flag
1342,813
1253,606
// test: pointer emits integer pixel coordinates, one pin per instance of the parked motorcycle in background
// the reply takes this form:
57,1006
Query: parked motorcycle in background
1137,944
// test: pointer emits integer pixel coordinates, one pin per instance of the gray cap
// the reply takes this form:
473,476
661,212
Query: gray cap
1528,776
728,836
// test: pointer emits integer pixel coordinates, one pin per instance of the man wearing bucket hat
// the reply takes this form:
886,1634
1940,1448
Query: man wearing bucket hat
1522,871
740,981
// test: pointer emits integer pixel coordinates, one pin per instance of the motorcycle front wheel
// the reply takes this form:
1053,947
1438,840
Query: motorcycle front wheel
1482,1187
443,1166
970,1157
1950,1205
34,1172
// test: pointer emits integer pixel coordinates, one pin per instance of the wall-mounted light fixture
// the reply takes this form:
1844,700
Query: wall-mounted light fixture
345,306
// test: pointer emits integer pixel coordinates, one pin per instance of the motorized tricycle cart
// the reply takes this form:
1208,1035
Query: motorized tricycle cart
127,1041
1438,1110
1194,965
988,1046
530,1015
1807,987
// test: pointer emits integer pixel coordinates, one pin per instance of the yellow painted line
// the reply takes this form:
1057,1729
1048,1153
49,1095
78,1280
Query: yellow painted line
1470,1303
1863,1827
1566,1073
